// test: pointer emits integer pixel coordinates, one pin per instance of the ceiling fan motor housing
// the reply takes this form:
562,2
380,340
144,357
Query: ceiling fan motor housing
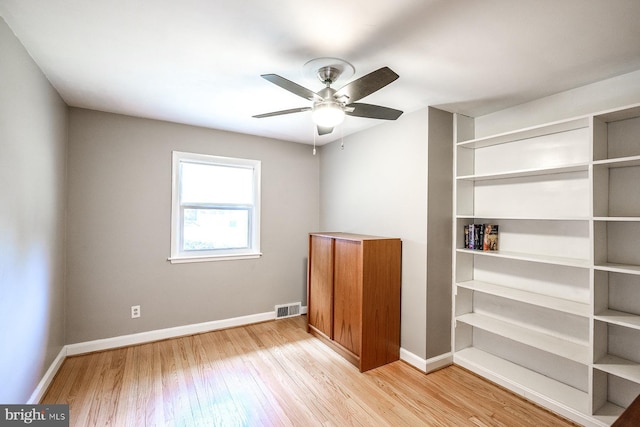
329,74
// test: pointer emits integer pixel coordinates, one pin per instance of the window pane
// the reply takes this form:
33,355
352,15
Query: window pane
206,229
216,184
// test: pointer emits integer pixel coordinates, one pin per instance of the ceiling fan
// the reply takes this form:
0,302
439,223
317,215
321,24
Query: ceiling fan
331,105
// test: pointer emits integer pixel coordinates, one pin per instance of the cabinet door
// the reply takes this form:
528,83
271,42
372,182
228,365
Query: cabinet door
320,304
347,311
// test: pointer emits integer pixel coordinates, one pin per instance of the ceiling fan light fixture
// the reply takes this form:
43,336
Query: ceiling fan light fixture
327,114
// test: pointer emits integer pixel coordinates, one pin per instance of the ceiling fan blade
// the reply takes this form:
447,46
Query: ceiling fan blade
366,85
292,87
324,130
373,111
279,113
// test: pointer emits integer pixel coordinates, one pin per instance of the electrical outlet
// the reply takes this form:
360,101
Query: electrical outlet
135,311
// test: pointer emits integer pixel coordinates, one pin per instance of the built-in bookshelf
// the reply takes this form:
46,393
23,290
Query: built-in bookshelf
616,210
554,314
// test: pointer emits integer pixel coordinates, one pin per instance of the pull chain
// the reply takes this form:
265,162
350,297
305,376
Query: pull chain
342,137
314,139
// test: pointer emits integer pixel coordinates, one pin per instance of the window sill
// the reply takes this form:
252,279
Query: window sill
209,258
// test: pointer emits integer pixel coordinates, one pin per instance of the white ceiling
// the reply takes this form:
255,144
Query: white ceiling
199,61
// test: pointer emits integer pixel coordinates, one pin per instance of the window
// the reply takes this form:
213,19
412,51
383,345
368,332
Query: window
215,211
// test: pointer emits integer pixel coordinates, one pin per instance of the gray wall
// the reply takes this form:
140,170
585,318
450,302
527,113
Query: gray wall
33,133
378,185
119,237
439,231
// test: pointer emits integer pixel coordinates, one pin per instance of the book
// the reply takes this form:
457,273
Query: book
490,238
481,237
466,237
478,236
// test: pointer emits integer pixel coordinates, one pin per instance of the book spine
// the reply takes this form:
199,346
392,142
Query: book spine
466,237
478,236
485,240
471,235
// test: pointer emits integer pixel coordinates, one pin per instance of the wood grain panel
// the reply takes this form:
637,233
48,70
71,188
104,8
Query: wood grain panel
347,305
381,295
320,284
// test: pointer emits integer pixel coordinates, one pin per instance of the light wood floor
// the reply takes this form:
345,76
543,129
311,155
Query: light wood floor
273,374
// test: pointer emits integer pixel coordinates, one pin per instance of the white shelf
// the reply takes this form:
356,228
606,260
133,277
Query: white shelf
619,114
559,304
551,344
531,218
619,367
531,132
569,262
528,383
619,318
580,167
522,218
608,413
619,268
621,162
617,218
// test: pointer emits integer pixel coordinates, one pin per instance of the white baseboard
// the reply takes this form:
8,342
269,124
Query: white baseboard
438,362
426,365
163,334
141,338
413,360
48,376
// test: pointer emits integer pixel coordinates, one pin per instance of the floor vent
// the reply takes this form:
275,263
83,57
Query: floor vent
287,310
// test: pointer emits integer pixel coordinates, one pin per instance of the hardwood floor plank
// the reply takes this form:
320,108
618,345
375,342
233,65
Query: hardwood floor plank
274,374
112,389
175,395
156,410
129,386
215,395
291,399
300,374
251,351
66,378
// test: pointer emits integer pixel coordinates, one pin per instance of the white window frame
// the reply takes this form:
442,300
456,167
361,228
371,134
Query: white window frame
179,256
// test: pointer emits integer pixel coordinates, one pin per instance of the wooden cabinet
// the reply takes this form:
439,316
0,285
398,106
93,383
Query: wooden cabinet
354,296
